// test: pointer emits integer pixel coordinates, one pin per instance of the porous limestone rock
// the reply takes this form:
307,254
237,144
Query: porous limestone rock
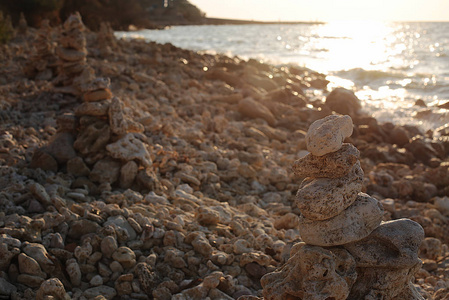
353,224
324,198
381,283
312,273
43,60
52,289
96,109
252,109
93,137
394,244
120,124
72,54
8,250
105,170
327,135
387,260
40,254
333,165
28,265
343,101
128,148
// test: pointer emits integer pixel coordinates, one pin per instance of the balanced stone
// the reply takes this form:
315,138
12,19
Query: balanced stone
353,224
324,198
311,273
394,244
333,165
327,135
382,283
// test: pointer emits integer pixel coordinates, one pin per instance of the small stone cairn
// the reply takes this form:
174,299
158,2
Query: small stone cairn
347,251
43,61
72,54
106,39
99,141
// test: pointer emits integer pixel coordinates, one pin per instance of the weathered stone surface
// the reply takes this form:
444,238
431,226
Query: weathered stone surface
77,167
128,174
30,280
97,109
6,288
129,148
385,283
7,253
125,256
324,198
117,118
105,170
353,224
61,147
40,254
311,273
28,265
53,288
333,165
43,160
394,244
253,109
98,95
74,272
92,138
71,54
343,101
106,291
327,135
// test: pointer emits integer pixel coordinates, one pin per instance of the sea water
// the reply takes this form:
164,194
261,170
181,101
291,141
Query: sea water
388,65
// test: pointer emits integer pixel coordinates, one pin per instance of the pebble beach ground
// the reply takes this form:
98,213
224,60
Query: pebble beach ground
215,209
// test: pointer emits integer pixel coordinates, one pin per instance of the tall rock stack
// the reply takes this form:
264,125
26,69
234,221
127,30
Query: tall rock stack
42,63
106,39
72,54
98,142
362,258
108,140
22,29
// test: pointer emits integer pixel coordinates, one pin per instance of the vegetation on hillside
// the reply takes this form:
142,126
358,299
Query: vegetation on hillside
119,13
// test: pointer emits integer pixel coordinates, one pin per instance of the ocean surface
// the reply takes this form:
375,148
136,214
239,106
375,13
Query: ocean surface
388,65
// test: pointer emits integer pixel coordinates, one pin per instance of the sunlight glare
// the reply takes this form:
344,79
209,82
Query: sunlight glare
362,46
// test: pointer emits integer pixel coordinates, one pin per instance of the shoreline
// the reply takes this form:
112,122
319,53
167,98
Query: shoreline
217,200
162,24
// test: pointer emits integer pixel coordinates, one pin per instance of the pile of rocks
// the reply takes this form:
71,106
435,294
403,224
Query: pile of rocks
106,39
42,62
98,141
213,213
72,53
375,261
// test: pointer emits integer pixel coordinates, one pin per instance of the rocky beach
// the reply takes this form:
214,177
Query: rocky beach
137,170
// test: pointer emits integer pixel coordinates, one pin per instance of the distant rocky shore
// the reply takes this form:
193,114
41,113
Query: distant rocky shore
134,170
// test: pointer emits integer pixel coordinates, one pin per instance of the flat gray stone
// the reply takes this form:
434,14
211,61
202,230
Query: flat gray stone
324,198
353,224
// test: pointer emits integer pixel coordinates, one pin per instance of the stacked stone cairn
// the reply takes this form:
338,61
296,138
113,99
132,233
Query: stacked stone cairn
43,61
99,141
347,252
72,54
106,39
22,29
